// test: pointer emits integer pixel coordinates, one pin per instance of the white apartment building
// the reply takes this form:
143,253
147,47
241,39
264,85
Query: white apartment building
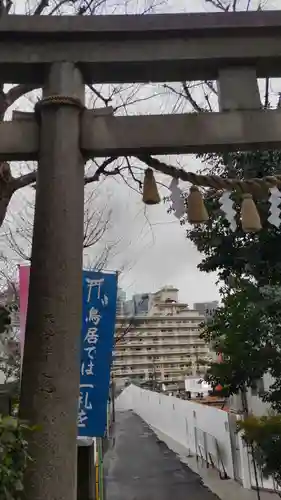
163,345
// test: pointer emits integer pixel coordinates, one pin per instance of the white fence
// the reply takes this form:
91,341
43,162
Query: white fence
207,432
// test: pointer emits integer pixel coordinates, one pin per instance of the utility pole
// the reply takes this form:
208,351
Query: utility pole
50,376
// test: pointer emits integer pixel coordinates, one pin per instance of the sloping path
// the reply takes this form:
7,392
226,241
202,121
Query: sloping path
140,467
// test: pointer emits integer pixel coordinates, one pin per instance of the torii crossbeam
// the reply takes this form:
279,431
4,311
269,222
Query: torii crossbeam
103,134
120,49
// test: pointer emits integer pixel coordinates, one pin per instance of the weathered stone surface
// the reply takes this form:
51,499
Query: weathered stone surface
51,365
117,49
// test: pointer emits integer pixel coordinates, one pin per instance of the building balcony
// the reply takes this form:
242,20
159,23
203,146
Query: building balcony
175,369
159,342
151,322
187,352
151,362
159,377
154,349
151,369
188,332
174,343
172,378
129,372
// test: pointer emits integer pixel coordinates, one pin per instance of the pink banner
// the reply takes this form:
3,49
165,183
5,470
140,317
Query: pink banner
24,286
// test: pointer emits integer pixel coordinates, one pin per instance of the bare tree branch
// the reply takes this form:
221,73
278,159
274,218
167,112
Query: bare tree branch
266,95
190,99
211,86
42,5
219,4
101,170
207,99
132,173
16,92
105,100
248,5
97,219
30,178
24,180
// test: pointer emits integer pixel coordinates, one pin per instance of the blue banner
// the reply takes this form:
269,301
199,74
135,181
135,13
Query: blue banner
98,325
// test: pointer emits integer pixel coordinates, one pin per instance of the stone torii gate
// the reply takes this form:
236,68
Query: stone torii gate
62,54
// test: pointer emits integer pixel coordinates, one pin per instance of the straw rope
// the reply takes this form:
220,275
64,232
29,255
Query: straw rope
213,181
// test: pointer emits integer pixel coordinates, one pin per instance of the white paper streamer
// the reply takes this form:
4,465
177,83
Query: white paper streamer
227,207
177,199
274,210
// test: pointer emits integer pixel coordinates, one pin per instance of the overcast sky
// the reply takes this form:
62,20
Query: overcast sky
153,250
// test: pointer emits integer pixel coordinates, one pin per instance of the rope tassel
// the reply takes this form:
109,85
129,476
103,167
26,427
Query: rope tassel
250,217
196,210
150,192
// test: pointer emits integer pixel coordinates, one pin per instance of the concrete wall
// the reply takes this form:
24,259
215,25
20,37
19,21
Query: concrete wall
202,430
207,432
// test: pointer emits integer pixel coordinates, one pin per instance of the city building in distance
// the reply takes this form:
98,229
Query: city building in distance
121,300
162,344
138,305
206,309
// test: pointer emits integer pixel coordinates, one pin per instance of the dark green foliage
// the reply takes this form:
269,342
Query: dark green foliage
13,457
236,253
10,351
5,319
264,434
246,330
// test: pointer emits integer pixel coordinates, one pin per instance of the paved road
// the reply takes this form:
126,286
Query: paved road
140,467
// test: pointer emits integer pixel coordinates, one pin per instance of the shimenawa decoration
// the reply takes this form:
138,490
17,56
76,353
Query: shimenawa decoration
195,208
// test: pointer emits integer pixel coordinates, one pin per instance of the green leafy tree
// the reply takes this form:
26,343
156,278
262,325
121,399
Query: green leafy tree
246,330
5,319
264,435
235,253
14,457
9,352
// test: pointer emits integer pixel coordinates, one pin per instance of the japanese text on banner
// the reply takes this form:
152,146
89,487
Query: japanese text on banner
97,339
94,301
